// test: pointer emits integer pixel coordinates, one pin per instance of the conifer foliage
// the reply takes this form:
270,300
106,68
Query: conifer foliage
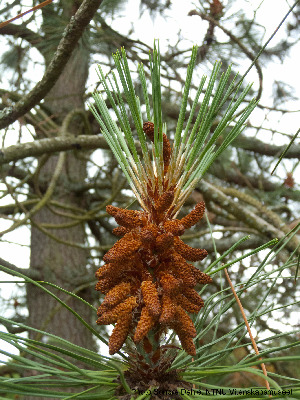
148,282
147,279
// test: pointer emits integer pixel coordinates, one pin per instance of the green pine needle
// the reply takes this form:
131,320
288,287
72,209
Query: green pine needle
195,147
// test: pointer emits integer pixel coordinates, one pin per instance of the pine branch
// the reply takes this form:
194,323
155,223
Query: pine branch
71,36
120,40
20,31
244,142
236,40
36,7
15,329
225,243
242,214
52,145
257,146
31,273
232,175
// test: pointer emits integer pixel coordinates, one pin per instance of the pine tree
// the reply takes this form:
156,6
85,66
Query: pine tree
70,208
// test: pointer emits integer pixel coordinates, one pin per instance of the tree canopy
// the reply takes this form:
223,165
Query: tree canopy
58,172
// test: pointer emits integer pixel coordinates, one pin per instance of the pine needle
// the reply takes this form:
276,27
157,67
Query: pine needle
263,367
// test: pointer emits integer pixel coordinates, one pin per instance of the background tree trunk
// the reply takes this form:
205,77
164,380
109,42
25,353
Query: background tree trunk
56,261
242,196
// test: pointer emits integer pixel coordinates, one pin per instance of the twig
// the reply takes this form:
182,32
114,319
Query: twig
286,150
271,150
248,217
31,273
70,38
261,209
248,53
44,200
43,4
248,326
47,146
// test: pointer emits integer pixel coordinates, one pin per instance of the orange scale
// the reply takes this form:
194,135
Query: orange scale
150,297
119,334
184,322
168,310
187,305
144,325
188,252
194,216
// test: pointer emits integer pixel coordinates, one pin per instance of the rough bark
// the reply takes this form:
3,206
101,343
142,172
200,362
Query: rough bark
54,260
69,41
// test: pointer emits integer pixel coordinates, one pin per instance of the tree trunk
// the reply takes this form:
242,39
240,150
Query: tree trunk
57,261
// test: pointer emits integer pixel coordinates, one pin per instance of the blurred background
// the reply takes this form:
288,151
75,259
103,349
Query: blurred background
62,239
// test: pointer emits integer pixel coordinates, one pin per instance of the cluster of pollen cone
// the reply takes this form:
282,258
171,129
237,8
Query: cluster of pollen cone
147,280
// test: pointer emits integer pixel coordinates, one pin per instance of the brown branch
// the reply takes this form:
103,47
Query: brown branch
15,329
43,4
237,41
242,141
231,174
12,208
16,172
245,215
22,32
70,38
263,367
225,243
46,146
257,146
257,182
215,12
30,273
8,7
113,36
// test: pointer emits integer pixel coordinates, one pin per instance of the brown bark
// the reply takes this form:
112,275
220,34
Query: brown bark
69,41
57,262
